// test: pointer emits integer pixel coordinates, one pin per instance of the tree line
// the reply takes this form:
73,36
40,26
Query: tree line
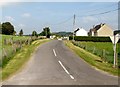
8,29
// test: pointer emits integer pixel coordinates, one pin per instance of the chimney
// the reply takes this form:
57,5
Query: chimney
101,24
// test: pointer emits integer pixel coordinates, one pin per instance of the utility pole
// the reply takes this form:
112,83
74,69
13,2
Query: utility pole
114,52
73,25
115,42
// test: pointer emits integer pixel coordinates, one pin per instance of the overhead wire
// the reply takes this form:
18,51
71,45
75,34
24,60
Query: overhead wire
84,16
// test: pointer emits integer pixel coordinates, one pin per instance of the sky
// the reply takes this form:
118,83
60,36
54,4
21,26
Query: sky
31,16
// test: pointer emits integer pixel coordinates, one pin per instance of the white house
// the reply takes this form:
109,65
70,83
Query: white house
80,32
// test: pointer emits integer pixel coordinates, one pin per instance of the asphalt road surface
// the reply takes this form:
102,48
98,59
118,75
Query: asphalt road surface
55,64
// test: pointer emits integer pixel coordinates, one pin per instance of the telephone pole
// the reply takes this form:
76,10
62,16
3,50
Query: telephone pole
73,25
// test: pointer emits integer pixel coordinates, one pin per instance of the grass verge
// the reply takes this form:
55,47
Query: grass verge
20,59
93,60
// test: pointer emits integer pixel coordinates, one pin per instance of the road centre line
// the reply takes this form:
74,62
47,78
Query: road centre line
66,70
54,52
72,77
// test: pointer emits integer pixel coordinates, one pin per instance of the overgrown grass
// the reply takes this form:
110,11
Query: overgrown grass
93,59
20,58
7,50
101,49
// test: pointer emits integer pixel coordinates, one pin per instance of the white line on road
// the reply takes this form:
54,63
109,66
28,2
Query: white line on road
71,77
66,70
63,67
54,52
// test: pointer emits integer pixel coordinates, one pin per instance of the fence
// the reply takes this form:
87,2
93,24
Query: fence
105,55
10,47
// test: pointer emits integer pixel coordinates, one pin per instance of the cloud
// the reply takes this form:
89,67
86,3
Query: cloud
9,18
6,2
26,15
89,19
21,25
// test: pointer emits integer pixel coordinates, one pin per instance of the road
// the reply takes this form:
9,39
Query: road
55,64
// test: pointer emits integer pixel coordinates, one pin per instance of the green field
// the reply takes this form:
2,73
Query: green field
101,49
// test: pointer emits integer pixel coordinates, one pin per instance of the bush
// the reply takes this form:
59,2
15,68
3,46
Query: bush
90,38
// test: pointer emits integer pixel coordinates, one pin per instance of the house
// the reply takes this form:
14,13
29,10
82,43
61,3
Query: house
101,30
80,32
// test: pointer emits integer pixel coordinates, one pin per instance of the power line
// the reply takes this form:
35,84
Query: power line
101,8
63,21
100,13
84,16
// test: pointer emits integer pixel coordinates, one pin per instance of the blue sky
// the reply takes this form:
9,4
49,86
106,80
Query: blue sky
58,16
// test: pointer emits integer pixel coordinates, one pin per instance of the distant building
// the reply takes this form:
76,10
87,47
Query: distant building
101,30
80,32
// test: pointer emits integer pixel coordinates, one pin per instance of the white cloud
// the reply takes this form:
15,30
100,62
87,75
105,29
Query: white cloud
6,2
9,18
89,19
26,15
21,25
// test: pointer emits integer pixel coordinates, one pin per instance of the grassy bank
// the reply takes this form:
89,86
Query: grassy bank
101,49
20,58
9,46
93,59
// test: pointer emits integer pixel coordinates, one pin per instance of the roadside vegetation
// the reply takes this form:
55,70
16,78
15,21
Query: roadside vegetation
12,44
16,47
20,58
101,49
95,60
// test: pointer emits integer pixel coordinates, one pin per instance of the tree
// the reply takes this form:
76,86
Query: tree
34,33
21,32
7,28
0,28
46,32
14,33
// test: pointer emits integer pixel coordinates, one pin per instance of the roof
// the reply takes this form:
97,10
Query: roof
76,30
97,27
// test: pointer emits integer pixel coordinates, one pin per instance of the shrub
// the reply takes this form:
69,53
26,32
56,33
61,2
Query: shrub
90,38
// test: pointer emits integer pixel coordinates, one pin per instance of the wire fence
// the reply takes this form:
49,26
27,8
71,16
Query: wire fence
10,47
105,55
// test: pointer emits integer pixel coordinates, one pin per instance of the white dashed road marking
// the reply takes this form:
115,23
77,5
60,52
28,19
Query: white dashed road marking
65,70
54,52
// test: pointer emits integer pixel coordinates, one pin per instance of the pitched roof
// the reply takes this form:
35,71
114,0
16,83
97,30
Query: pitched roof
76,30
97,27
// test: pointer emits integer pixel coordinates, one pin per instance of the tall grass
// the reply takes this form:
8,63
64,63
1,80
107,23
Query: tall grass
8,48
101,49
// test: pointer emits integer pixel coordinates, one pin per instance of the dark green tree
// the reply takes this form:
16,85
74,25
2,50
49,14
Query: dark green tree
0,28
21,32
14,33
46,32
7,28
34,33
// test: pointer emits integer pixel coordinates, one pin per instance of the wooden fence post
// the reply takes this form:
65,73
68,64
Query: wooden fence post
5,42
94,50
104,57
4,52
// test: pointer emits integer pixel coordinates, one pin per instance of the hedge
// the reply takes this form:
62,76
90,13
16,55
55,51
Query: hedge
90,38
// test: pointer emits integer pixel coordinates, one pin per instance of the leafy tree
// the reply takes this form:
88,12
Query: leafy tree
14,33
34,33
7,28
46,32
0,28
21,32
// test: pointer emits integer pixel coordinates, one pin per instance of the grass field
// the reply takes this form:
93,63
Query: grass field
101,49
92,59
